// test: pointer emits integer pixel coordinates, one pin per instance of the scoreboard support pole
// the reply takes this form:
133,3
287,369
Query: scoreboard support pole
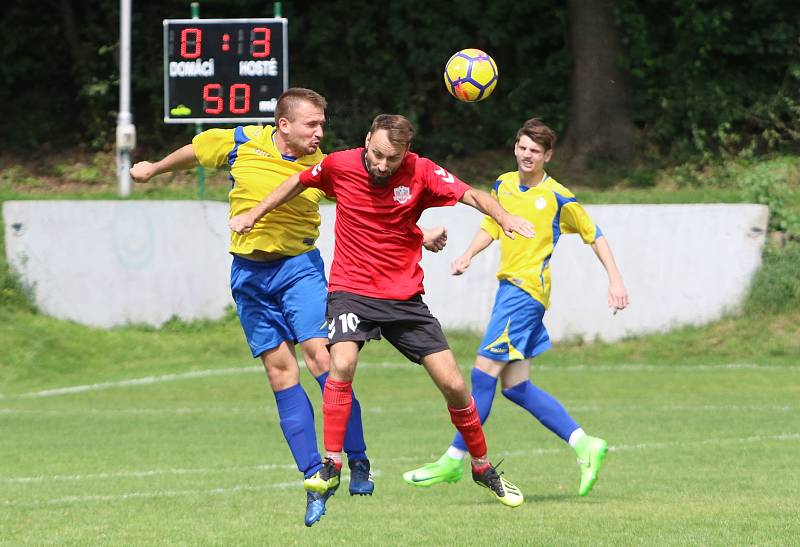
126,131
198,127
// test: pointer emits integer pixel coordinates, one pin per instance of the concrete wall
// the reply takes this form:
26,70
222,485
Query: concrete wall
111,263
682,264
107,263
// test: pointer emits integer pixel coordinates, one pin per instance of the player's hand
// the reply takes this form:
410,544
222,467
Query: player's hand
617,296
142,171
434,239
460,265
241,224
512,224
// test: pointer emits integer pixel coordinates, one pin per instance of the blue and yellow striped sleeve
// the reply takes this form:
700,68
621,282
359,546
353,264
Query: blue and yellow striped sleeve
212,147
575,220
488,224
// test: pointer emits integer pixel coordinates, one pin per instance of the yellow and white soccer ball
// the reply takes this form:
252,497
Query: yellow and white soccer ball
470,75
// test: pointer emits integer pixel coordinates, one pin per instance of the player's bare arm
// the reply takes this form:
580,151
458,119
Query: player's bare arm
617,294
486,204
290,188
180,159
479,243
434,239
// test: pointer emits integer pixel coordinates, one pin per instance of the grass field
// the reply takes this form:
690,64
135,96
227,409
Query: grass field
141,436
158,437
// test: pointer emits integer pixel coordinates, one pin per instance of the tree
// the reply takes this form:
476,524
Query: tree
600,122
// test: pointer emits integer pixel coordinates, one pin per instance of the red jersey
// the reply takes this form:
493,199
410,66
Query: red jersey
378,243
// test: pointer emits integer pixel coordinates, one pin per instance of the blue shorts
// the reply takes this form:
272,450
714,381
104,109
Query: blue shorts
515,329
280,300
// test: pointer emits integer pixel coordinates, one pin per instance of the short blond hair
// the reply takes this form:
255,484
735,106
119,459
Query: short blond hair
291,99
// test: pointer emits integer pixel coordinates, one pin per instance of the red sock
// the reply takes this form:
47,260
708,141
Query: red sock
468,424
337,400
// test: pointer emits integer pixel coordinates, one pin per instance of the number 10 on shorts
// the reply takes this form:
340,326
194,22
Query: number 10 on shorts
349,323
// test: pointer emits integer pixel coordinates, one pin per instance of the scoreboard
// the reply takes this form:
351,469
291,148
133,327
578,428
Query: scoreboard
224,70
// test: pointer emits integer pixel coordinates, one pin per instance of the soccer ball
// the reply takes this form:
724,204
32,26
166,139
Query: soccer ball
470,75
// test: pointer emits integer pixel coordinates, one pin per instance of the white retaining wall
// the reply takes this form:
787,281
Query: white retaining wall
107,263
682,264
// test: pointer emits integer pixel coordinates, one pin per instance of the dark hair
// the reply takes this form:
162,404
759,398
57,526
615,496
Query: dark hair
538,132
292,97
398,128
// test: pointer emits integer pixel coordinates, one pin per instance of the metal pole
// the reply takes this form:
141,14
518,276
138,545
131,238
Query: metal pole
126,131
198,127
276,11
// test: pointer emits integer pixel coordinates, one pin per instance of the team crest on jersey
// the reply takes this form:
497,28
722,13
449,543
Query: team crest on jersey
402,194
540,203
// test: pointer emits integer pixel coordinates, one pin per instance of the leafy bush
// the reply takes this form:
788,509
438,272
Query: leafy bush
776,287
767,185
710,77
707,77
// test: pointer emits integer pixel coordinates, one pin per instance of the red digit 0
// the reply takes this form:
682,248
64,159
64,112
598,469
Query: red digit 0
195,42
245,108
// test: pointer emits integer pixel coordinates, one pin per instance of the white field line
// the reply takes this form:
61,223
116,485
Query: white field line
139,495
155,473
150,380
264,409
147,380
157,494
686,407
142,474
723,408
621,367
268,411
784,437
700,407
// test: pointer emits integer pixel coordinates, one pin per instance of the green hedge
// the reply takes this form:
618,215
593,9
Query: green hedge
705,77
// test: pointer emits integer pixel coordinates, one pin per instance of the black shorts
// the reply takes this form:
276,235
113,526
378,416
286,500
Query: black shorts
407,324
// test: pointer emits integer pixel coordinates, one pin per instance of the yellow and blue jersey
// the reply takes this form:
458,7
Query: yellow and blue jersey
256,169
553,210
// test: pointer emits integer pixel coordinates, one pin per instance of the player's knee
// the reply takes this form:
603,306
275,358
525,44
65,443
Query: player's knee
343,361
317,360
456,393
282,373
343,372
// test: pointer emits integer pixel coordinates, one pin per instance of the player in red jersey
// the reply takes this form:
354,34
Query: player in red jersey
375,284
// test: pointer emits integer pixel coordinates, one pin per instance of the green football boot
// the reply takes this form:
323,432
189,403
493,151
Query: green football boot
503,490
445,469
325,480
591,453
